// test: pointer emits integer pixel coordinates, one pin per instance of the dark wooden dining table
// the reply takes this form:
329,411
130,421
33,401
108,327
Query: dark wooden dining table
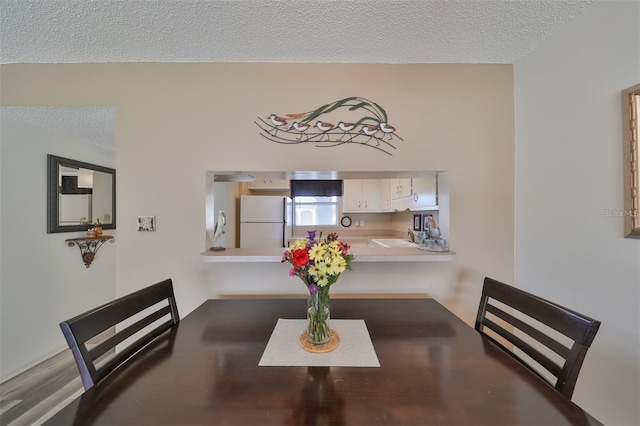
434,370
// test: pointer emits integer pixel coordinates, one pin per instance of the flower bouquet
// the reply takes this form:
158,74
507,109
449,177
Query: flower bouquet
318,263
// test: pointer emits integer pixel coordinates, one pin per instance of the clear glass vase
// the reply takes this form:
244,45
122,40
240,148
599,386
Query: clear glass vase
318,314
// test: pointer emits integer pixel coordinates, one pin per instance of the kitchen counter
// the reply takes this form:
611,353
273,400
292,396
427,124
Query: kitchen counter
362,254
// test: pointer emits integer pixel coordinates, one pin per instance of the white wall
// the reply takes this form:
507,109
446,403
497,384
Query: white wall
177,121
568,170
43,281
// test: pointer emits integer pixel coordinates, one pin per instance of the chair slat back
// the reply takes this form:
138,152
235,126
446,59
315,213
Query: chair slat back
157,301
531,339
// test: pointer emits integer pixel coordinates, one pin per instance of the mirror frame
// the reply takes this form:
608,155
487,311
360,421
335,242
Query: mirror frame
631,133
53,163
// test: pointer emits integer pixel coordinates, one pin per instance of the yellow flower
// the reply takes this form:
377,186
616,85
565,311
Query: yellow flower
298,244
318,251
333,250
333,267
319,271
322,279
334,246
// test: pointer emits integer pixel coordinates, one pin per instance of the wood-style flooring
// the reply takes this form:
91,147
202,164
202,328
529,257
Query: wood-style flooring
35,395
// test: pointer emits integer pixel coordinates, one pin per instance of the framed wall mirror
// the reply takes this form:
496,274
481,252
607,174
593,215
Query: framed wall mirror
79,194
631,132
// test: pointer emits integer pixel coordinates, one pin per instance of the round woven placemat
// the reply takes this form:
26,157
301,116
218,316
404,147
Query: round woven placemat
334,341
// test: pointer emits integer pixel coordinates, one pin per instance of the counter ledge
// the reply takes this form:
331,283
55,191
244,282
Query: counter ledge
369,254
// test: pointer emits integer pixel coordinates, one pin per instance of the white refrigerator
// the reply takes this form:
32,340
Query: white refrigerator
265,221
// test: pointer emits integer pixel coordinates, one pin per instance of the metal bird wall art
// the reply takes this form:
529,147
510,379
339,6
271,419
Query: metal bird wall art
352,120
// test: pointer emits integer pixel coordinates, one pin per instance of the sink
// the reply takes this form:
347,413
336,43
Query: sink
393,242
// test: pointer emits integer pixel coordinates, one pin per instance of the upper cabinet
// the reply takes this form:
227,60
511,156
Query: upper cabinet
361,195
424,193
414,194
400,188
267,184
387,195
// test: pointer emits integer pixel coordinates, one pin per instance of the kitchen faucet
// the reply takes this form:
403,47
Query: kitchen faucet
412,237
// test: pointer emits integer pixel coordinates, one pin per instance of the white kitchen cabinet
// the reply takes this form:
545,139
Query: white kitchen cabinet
266,184
424,195
400,188
371,194
351,195
385,194
360,195
414,194
401,194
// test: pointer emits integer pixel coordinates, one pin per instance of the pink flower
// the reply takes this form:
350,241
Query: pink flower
345,248
292,272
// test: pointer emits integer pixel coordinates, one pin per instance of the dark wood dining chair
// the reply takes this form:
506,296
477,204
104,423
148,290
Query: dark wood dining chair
134,329
533,339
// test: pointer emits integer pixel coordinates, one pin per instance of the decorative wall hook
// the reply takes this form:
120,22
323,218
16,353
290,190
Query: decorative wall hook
89,246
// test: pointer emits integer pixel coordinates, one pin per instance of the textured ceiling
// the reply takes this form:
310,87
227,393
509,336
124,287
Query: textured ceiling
369,31
320,31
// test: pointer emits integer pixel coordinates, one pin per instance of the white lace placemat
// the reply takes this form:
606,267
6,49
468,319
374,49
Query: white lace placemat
355,348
